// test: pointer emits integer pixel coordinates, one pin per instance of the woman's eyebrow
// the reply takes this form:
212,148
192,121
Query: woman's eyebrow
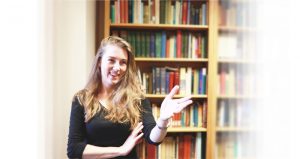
113,57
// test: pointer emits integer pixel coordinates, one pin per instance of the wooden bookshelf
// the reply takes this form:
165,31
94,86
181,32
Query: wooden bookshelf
236,61
159,26
236,97
234,67
185,129
234,129
236,29
140,59
162,96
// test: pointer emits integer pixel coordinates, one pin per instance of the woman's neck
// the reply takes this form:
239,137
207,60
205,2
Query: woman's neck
103,97
104,94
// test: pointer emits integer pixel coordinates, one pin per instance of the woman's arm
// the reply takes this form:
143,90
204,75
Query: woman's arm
77,132
159,132
95,152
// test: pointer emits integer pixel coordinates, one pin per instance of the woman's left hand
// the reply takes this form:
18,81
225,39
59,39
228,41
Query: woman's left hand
171,106
132,140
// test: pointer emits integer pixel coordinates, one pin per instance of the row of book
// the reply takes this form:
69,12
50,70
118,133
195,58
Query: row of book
235,145
234,80
166,44
159,12
236,46
235,14
194,115
181,146
235,113
162,79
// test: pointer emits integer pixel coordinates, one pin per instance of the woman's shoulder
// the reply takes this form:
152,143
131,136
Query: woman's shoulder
145,101
145,104
80,96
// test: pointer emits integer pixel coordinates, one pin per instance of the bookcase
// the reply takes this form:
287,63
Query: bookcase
186,48
236,97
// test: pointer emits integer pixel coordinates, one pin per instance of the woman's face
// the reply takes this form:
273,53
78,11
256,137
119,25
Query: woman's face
113,65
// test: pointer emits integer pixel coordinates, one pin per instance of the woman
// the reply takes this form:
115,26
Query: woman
111,115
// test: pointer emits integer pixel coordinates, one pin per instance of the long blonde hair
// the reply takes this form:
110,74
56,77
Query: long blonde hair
125,100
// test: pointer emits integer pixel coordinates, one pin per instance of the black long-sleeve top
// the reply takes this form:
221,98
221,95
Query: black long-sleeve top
101,132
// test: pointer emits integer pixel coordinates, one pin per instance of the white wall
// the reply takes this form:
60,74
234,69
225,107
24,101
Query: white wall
69,34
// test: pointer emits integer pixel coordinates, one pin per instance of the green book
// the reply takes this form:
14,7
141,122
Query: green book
138,44
158,44
133,43
147,37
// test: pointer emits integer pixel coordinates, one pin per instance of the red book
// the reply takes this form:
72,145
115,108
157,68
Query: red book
171,80
168,48
176,81
184,12
151,151
126,11
199,43
122,16
153,12
223,82
175,120
117,10
187,139
204,114
178,43
181,147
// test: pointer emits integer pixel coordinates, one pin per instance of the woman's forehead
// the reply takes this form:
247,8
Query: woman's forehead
113,51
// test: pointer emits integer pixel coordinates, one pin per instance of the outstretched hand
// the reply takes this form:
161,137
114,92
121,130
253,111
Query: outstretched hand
171,106
132,139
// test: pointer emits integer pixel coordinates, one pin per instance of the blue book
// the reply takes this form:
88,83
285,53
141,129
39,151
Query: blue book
204,80
153,80
163,44
158,80
200,81
195,114
167,82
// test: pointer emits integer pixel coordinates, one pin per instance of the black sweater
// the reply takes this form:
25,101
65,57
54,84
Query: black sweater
101,132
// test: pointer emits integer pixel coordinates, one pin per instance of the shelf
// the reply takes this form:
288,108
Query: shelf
186,129
235,97
142,59
233,129
236,29
161,96
158,26
235,61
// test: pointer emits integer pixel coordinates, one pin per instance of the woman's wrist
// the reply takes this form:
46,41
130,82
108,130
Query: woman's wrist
163,124
121,151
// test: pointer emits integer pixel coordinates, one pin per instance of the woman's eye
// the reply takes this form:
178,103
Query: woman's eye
123,62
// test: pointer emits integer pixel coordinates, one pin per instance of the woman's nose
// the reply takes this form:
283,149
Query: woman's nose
116,66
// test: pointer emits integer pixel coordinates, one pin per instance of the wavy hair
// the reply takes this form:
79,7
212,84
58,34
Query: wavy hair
124,102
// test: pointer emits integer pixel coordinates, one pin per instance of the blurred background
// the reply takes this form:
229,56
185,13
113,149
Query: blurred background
47,47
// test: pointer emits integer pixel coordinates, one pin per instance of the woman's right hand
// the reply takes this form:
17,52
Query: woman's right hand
132,139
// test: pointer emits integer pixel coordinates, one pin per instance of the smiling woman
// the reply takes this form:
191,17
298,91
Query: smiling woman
110,115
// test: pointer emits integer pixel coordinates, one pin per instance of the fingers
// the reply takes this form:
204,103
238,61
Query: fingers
138,128
182,99
137,132
139,136
182,105
173,92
